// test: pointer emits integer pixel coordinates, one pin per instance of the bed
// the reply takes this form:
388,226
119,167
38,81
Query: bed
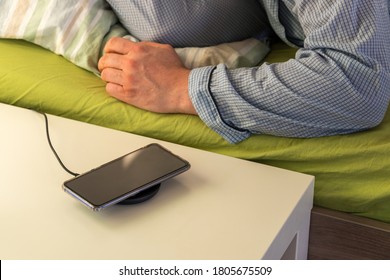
351,217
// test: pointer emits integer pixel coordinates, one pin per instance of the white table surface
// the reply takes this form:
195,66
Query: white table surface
222,208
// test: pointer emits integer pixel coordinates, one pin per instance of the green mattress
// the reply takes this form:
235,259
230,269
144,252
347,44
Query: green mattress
352,172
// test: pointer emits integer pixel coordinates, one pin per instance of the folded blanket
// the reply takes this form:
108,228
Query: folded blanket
79,29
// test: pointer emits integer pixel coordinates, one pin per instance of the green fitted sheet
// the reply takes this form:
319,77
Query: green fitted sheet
352,171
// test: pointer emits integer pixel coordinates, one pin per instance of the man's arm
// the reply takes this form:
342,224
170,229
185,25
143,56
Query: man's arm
338,83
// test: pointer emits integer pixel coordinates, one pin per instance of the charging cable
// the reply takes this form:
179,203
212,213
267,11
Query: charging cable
52,148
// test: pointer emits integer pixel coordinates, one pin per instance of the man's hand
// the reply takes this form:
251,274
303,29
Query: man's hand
147,75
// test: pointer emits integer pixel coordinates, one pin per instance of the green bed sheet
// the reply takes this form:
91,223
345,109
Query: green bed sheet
352,172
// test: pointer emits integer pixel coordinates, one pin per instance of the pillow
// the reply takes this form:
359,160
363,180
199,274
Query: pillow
76,29
79,29
245,53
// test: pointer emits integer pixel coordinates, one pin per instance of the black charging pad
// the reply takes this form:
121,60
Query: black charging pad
141,196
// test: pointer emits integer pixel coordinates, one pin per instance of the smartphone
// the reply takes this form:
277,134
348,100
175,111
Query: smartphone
125,176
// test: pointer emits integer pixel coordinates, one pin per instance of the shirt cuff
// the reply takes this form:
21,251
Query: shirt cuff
206,107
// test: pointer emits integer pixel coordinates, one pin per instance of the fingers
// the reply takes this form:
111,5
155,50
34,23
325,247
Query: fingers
116,91
118,45
110,60
111,75
115,51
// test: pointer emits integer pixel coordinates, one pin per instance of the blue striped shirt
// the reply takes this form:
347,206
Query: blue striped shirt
338,83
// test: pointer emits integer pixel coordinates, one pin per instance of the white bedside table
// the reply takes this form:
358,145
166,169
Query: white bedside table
222,208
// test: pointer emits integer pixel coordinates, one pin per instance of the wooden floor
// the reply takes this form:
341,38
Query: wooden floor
341,236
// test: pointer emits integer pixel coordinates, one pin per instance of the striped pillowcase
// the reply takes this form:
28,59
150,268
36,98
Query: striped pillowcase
79,29
75,29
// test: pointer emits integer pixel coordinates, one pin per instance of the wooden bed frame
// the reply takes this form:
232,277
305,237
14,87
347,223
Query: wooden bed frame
336,235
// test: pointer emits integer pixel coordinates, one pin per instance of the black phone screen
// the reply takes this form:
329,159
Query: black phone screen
126,175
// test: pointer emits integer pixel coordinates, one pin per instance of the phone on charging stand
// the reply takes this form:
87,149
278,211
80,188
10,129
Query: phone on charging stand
125,177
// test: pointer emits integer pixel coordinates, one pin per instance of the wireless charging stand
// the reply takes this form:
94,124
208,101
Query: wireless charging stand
141,196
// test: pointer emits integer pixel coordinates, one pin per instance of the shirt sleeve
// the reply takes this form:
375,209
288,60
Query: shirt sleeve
338,82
